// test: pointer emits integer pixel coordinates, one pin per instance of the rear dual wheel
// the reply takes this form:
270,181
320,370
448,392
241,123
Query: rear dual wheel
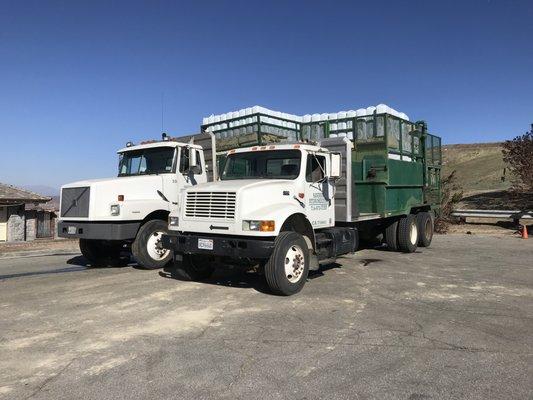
404,234
391,236
425,223
407,234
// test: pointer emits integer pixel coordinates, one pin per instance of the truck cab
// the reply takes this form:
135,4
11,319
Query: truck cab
129,212
274,206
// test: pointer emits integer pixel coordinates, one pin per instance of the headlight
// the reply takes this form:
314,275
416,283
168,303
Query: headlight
115,209
261,226
173,221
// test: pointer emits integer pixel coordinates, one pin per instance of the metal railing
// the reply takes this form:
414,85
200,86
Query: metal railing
511,214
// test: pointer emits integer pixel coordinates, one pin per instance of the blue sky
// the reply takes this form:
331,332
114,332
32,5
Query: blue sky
80,79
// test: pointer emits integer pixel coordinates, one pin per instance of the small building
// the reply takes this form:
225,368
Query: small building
22,216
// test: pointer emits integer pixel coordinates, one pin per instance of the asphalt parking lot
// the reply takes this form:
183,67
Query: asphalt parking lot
451,321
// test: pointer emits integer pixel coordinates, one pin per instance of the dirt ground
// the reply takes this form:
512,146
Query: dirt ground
452,321
489,226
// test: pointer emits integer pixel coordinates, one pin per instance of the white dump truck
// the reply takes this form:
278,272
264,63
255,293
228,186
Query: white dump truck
286,208
128,213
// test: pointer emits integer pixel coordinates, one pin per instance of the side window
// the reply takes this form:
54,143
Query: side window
122,165
135,165
184,161
199,162
316,165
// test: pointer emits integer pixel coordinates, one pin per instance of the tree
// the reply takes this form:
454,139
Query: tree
451,193
518,154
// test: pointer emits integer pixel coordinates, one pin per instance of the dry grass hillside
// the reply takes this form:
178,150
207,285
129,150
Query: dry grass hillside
479,169
479,166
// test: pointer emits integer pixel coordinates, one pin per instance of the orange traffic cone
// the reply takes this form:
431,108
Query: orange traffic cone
524,232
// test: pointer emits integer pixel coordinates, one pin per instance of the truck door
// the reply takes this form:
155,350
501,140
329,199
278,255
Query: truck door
318,205
182,178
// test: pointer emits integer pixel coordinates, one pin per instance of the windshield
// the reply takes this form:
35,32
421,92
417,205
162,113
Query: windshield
275,164
156,160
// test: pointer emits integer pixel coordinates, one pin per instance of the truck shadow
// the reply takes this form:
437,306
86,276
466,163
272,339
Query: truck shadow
322,270
241,279
230,278
83,262
50,272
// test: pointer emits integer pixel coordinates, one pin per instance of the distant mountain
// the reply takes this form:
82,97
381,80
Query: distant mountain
42,189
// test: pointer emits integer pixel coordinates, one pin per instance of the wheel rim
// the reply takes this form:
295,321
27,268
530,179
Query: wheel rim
413,234
154,246
294,264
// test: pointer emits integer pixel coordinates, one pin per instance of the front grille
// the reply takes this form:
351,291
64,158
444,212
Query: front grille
216,205
75,202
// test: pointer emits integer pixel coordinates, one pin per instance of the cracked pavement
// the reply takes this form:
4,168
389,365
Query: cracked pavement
454,321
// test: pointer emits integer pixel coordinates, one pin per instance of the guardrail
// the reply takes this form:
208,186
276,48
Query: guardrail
511,214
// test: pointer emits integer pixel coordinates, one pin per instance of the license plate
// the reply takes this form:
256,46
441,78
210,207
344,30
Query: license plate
71,230
205,244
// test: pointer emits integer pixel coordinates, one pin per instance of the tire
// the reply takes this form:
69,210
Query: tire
146,246
103,253
194,267
288,266
424,222
407,234
391,236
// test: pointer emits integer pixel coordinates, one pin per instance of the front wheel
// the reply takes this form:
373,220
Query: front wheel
147,247
287,268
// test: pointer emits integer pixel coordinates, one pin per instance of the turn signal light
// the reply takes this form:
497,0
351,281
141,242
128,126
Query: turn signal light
267,226
256,225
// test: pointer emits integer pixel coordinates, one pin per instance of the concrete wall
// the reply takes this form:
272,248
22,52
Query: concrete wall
16,224
31,225
54,227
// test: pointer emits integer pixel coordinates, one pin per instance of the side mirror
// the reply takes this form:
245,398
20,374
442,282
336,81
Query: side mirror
336,167
193,162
